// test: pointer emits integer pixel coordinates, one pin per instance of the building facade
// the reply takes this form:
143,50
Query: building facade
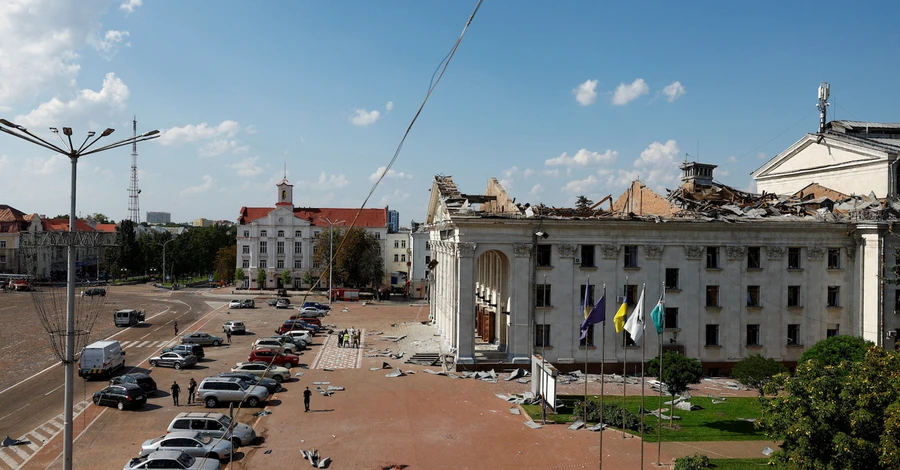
393,221
12,223
159,218
398,260
421,259
283,238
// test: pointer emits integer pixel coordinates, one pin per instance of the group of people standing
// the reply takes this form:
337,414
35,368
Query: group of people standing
349,338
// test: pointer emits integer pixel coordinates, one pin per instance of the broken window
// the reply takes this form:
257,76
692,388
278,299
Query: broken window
754,258
712,257
793,258
631,256
753,296
753,335
587,256
834,258
543,255
712,296
542,295
793,338
671,278
542,335
793,299
834,296
712,335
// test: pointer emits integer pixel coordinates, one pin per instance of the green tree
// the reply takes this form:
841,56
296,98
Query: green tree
99,218
358,260
756,371
678,372
238,276
327,244
286,278
129,251
842,415
832,351
583,203
309,279
226,258
261,278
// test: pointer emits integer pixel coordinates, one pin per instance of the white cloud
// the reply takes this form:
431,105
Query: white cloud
626,93
390,174
673,91
657,167
326,182
584,186
361,117
247,167
128,6
536,191
586,93
219,147
583,157
192,133
43,166
732,159
389,106
394,198
108,46
86,105
206,186
552,173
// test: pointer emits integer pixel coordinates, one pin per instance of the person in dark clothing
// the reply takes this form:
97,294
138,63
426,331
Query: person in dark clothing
306,395
175,391
176,327
340,339
192,387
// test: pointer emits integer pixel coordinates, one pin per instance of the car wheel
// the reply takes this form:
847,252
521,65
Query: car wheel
96,400
120,405
216,343
235,442
253,402
278,378
152,363
177,366
287,365
211,402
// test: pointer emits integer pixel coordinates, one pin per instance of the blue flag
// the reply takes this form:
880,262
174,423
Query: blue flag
597,315
658,315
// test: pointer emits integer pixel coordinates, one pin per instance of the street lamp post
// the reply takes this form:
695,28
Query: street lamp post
331,254
68,149
164,260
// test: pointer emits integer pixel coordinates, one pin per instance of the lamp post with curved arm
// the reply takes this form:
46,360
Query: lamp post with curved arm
73,153
331,253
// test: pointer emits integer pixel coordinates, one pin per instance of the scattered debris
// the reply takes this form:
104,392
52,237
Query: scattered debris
262,413
767,451
315,460
374,368
524,381
298,374
597,427
578,424
433,372
514,411
328,369
749,420
393,339
323,391
9,442
533,425
424,359
527,398
334,388
687,406
321,383
410,372
515,374
396,373
385,365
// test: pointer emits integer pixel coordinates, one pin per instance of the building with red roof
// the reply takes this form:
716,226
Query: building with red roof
12,223
283,237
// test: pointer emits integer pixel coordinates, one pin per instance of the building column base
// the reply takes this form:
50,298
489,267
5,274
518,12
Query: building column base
521,360
460,359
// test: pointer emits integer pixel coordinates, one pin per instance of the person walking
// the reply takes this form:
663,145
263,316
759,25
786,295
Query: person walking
228,335
192,387
341,339
176,327
306,395
175,391
347,338
356,339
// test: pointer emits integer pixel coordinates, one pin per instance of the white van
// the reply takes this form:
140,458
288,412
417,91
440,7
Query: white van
101,359
128,317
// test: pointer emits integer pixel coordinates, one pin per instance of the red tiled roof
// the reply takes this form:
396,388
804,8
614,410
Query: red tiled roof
368,218
11,214
108,228
62,225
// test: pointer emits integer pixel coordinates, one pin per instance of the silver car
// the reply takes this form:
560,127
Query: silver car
170,459
201,338
214,425
192,443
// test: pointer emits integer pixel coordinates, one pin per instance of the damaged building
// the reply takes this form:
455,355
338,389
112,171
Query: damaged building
742,273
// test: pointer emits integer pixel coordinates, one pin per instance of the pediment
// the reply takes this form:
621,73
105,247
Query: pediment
815,153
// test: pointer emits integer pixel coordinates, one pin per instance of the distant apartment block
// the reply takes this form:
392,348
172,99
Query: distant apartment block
159,218
393,221
201,222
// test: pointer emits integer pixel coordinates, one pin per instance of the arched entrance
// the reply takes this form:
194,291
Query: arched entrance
492,304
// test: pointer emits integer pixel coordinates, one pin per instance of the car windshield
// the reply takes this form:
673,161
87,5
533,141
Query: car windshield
185,460
225,420
204,439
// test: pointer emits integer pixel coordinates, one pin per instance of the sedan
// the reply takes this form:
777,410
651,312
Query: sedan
312,312
173,460
271,385
192,443
263,369
283,303
174,359
234,304
271,356
203,339
138,378
121,396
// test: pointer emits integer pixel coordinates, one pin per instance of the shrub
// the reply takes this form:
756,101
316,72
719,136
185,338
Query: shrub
693,462
613,415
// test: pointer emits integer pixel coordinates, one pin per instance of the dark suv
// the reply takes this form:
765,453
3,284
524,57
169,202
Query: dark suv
94,291
187,348
140,379
121,396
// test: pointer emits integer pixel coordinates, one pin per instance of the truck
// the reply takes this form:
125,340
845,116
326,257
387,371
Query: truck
340,293
101,359
128,317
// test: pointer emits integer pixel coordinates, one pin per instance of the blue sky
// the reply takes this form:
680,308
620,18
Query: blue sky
555,99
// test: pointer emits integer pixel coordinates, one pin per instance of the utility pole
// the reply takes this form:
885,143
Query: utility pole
331,254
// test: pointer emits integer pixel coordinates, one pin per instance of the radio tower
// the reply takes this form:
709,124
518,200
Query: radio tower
134,206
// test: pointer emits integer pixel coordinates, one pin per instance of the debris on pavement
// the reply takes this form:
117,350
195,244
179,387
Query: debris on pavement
9,442
395,373
578,424
533,425
315,460
262,413
514,411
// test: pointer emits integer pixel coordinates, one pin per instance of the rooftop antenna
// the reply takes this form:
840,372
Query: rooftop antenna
824,93
285,170
134,206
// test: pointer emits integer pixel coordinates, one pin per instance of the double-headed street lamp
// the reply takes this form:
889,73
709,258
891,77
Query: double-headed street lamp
331,254
68,149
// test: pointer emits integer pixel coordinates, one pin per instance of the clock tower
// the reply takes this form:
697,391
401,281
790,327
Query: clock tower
285,194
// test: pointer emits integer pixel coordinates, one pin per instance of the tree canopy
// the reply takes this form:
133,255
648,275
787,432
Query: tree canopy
756,371
840,415
832,351
357,257
678,372
583,203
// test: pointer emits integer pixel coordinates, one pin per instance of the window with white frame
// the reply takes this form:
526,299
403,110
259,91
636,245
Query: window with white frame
428,245
263,233
298,246
402,243
245,249
279,264
403,258
280,248
396,243
2,243
263,247
396,258
245,263
262,264
280,233
298,234
298,264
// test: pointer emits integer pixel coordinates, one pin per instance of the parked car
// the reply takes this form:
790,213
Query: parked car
235,304
235,327
187,348
121,396
272,302
312,312
94,291
282,292
295,324
283,303
271,356
263,369
147,384
201,338
299,344
173,359
214,425
317,305
172,459
304,335
276,344
192,443
311,320
248,303
215,390
271,385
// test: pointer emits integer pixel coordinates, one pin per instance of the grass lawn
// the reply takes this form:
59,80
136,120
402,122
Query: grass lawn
715,422
738,464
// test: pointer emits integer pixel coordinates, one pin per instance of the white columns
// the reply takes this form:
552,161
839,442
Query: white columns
465,295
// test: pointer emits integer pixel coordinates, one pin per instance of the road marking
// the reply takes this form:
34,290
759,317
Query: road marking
146,335
55,389
19,408
143,344
39,431
7,459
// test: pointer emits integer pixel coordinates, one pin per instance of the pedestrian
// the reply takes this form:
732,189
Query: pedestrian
356,340
306,395
228,335
341,339
175,391
347,338
192,387
176,327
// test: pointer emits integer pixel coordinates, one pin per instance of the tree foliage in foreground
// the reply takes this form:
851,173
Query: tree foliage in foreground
756,371
832,351
837,416
678,372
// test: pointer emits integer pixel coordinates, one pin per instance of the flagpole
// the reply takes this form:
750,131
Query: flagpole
643,348
602,367
587,289
543,356
659,417
624,365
